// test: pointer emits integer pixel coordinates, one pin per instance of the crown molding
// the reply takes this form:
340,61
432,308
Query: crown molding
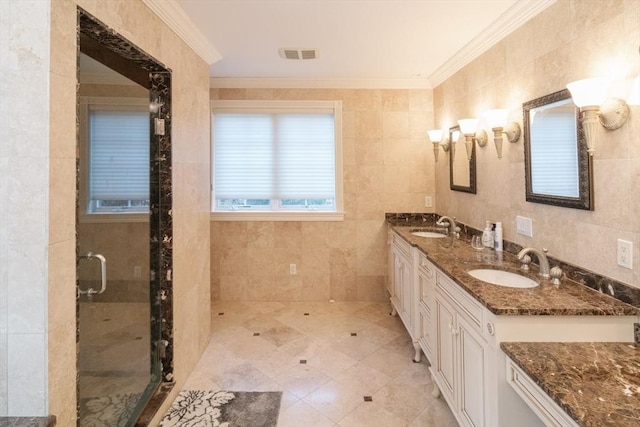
177,19
310,83
521,12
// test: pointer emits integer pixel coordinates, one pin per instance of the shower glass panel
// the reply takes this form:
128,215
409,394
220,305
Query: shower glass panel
118,368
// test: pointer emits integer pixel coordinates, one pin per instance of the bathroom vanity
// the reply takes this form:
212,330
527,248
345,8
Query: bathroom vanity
459,322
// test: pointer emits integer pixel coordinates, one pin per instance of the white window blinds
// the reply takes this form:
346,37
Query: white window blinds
274,153
554,156
118,155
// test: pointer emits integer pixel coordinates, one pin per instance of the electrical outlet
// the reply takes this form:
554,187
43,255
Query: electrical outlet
524,226
428,202
137,271
292,269
625,254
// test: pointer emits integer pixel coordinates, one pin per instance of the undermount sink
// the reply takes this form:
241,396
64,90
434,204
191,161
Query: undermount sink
503,278
430,234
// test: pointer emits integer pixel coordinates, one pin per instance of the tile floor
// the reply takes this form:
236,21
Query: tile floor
345,364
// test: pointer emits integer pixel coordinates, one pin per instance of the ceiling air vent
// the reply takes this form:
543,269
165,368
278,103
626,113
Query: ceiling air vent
292,53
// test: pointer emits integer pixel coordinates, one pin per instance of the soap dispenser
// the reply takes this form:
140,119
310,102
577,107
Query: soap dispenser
487,236
497,237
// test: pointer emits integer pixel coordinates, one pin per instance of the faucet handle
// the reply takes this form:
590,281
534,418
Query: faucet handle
526,260
556,274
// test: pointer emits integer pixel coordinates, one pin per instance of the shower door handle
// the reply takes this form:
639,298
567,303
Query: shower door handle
103,273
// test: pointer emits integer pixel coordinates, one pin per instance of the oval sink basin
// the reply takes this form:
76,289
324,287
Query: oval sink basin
430,234
503,278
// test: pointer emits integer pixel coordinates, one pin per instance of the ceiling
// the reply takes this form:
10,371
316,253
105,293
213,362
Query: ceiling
393,40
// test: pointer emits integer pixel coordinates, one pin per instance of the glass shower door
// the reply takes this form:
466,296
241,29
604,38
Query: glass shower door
118,368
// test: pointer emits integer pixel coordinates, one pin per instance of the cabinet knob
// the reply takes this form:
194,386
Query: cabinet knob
490,328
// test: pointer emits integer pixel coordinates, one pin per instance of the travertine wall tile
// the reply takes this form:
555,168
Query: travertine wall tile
387,167
568,41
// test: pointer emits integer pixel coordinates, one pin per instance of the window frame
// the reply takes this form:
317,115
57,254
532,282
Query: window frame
86,103
283,214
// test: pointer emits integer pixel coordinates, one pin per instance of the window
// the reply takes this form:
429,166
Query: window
277,159
117,156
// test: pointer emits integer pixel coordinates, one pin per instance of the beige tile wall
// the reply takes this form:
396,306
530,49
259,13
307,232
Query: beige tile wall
388,167
571,40
190,151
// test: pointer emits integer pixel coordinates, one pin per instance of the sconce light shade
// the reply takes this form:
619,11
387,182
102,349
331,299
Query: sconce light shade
455,136
435,135
634,95
468,126
589,92
590,95
497,118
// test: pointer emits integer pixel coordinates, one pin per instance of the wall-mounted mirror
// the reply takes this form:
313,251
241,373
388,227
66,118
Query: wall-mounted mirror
462,170
557,164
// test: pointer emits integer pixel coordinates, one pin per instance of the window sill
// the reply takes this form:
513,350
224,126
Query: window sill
277,216
113,218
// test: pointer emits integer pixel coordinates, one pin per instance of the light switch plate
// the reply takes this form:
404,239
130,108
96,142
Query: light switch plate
625,254
524,226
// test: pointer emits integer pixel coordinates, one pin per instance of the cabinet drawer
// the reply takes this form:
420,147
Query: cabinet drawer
471,309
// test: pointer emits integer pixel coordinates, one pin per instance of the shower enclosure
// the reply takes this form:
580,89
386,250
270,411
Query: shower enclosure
123,227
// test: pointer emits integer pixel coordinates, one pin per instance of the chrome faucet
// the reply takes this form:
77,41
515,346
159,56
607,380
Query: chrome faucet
542,259
448,222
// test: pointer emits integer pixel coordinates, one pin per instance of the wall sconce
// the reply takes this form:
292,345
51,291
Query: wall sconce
590,95
468,127
435,136
497,121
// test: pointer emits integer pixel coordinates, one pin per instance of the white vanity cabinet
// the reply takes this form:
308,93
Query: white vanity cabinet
461,354
424,279
400,278
404,289
461,338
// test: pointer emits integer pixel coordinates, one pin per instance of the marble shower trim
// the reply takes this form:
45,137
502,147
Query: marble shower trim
603,284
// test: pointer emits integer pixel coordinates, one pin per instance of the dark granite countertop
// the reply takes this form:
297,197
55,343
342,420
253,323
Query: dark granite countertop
597,384
568,299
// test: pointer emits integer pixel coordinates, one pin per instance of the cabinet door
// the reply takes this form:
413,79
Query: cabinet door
425,325
406,294
425,316
473,366
396,295
445,348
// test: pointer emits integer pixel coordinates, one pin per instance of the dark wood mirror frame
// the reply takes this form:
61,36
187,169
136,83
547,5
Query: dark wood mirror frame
460,149
585,174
